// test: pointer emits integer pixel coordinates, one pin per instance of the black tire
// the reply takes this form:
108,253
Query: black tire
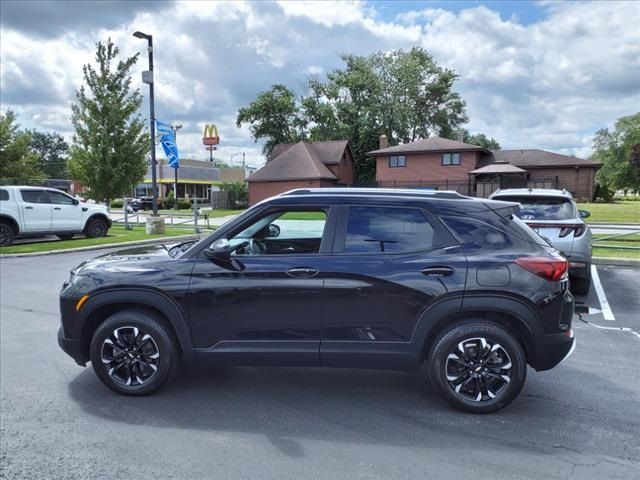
66,236
96,227
130,370
501,384
7,235
581,285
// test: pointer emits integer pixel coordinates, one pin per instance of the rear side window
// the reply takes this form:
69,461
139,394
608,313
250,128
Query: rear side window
477,234
4,195
34,196
542,208
389,230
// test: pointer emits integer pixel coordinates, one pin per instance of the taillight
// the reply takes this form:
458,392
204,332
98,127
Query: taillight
565,229
549,268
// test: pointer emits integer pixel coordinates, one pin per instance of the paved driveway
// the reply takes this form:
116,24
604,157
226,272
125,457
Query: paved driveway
58,421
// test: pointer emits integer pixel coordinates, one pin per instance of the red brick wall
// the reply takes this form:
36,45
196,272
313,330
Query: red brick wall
344,170
258,191
579,181
426,167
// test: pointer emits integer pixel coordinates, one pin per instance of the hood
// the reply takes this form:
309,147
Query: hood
94,206
137,259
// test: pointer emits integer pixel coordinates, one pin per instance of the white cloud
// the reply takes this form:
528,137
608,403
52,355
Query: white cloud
549,84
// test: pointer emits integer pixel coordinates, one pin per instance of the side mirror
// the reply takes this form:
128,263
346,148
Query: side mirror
219,250
584,213
274,230
76,201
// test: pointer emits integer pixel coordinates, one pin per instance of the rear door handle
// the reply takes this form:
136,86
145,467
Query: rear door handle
56,208
438,271
303,272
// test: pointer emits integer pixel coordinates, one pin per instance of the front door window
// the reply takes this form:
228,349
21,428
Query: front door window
284,232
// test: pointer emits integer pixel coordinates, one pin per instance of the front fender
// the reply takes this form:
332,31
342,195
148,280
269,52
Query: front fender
137,297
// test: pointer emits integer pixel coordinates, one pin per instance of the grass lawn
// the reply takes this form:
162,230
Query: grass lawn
626,241
616,212
222,212
303,216
117,234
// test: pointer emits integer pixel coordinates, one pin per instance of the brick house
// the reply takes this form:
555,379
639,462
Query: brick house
473,170
303,165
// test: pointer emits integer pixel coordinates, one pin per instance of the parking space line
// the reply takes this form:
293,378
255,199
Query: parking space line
604,303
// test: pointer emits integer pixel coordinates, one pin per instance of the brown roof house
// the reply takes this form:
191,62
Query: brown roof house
440,163
302,165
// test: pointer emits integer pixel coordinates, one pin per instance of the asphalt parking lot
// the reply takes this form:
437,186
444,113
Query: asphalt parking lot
57,420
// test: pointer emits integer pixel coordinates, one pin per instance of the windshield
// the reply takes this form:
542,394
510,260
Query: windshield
542,208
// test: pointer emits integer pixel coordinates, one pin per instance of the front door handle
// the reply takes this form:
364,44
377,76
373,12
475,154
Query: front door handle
28,208
303,272
56,208
438,271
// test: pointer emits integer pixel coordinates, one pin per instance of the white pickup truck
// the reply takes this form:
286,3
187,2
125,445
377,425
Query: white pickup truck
33,211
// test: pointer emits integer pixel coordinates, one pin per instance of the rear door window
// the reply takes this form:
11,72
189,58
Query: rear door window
4,195
542,208
34,196
387,230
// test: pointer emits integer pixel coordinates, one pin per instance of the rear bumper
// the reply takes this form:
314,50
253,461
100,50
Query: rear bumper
73,348
554,349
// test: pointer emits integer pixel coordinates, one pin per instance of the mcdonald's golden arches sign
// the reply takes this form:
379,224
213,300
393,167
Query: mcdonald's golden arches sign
210,135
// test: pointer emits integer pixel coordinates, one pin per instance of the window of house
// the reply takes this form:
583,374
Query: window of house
387,229
450,159
397,161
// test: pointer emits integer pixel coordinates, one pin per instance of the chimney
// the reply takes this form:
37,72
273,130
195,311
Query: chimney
460,136
384,141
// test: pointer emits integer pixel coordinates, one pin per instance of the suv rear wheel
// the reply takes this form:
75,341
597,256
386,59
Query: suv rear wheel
6,234
581,285
133,353
478,366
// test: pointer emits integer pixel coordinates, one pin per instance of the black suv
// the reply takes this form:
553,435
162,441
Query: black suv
365,278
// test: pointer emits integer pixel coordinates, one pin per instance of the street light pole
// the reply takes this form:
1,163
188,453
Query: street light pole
147,77
175,129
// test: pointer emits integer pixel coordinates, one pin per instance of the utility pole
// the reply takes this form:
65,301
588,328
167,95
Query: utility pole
147,77
175,129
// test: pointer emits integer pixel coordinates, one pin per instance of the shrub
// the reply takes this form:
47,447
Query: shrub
116,203
238,194
604,192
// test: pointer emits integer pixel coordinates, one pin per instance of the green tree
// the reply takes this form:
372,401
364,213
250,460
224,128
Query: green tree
619,152
479,139
18,164
402,94
274,116
52,150
111,142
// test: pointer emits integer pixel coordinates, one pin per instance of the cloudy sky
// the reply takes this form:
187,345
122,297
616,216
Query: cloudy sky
534,75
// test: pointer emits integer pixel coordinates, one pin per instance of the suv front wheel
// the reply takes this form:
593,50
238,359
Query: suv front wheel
133,352
478,366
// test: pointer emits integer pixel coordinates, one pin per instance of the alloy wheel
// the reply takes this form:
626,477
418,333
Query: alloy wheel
130,356
5,235
98,229
478,369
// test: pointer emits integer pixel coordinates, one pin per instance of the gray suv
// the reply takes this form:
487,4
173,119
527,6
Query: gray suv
554,215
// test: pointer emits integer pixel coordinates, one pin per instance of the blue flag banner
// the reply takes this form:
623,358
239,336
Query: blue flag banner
168,140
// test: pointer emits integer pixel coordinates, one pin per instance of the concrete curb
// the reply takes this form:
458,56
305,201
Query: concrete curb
618,262
180,238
